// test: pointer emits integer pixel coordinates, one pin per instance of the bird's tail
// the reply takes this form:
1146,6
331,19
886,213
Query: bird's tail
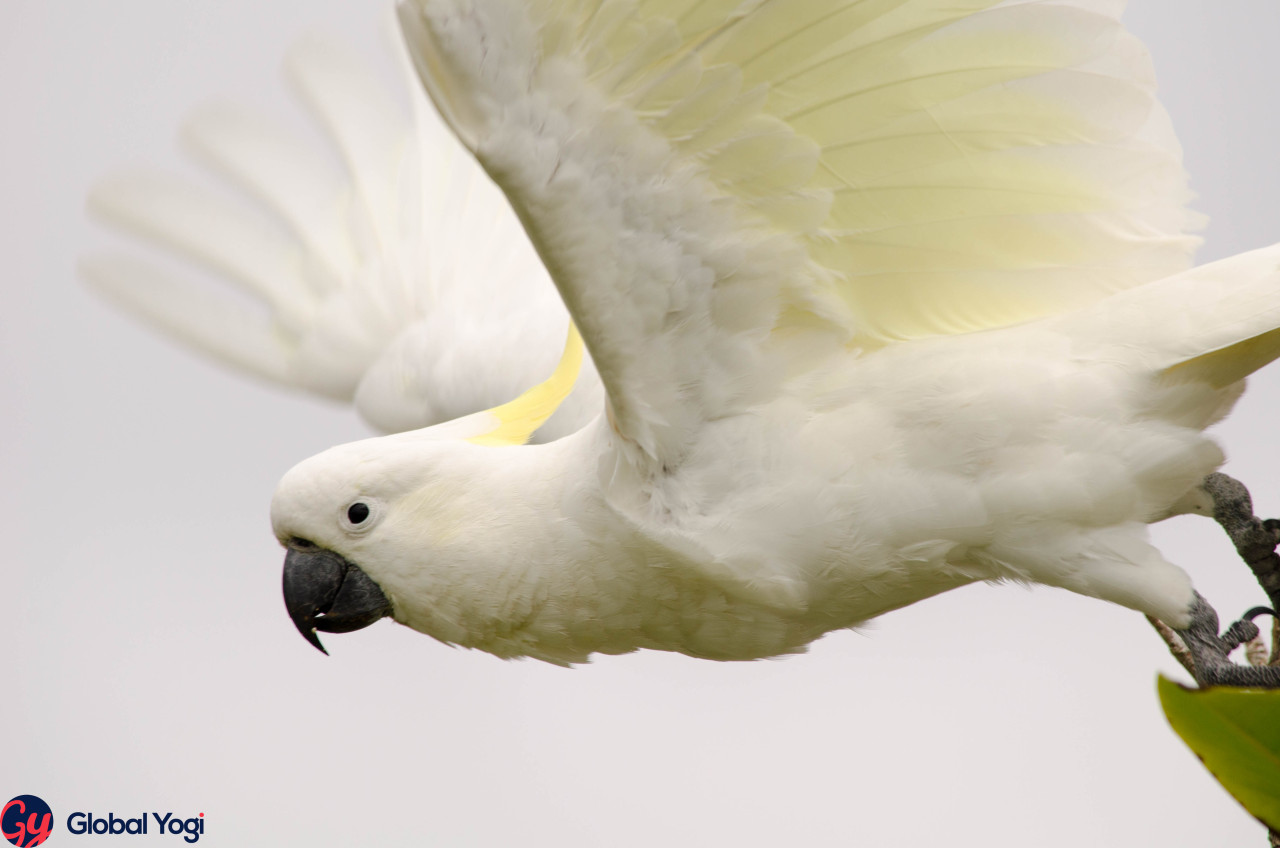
1215,324
1224,366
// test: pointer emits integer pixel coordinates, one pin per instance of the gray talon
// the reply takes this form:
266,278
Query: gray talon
1239,633
1209,650
1255,541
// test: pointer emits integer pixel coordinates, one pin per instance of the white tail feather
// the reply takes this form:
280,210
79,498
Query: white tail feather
1174,322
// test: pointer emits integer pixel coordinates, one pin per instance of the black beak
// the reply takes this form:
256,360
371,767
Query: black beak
322,591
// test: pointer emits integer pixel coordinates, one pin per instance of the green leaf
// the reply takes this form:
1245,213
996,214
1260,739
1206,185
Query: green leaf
1236,734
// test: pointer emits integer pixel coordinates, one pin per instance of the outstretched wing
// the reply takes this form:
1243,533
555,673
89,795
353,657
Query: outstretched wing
399,280
721,188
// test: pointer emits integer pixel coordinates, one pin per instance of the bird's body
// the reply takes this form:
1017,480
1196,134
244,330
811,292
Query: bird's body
1037,453
866,336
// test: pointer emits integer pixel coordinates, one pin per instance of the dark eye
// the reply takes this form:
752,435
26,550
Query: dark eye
357,512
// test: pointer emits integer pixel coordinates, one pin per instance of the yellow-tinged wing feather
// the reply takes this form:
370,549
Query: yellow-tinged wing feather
956,165
987,162
698,174
516,420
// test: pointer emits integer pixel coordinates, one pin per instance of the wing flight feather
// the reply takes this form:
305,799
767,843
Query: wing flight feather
393,275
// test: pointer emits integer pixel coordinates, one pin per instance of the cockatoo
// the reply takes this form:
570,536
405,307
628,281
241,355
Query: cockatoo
402,282
887,297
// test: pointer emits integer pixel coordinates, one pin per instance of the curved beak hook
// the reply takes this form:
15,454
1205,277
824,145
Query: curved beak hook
324,591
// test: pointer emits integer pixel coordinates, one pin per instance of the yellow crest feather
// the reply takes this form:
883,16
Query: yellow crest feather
516,420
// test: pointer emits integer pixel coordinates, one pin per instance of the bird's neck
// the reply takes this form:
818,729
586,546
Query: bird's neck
519,560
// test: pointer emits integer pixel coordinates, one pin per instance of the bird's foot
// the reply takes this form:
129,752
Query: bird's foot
1255,540
1209,650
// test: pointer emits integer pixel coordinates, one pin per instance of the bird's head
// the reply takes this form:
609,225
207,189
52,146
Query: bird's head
419,525
357,522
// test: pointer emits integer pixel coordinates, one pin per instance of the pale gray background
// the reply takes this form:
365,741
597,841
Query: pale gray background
147,662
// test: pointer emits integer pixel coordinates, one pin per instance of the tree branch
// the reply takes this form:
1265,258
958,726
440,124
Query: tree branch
1175,644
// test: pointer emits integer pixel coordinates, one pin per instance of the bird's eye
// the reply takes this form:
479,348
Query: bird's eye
361,515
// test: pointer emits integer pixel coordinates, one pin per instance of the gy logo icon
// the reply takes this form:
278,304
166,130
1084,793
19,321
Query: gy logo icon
26,821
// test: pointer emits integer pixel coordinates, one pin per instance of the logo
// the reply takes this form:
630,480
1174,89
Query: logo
26,821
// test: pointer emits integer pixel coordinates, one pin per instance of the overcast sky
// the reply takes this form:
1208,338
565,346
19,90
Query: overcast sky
149,664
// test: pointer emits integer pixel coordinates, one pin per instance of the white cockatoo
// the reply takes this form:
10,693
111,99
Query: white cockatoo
400,280
887,297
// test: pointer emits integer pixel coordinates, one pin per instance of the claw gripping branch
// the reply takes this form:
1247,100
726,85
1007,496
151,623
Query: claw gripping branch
1255,540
